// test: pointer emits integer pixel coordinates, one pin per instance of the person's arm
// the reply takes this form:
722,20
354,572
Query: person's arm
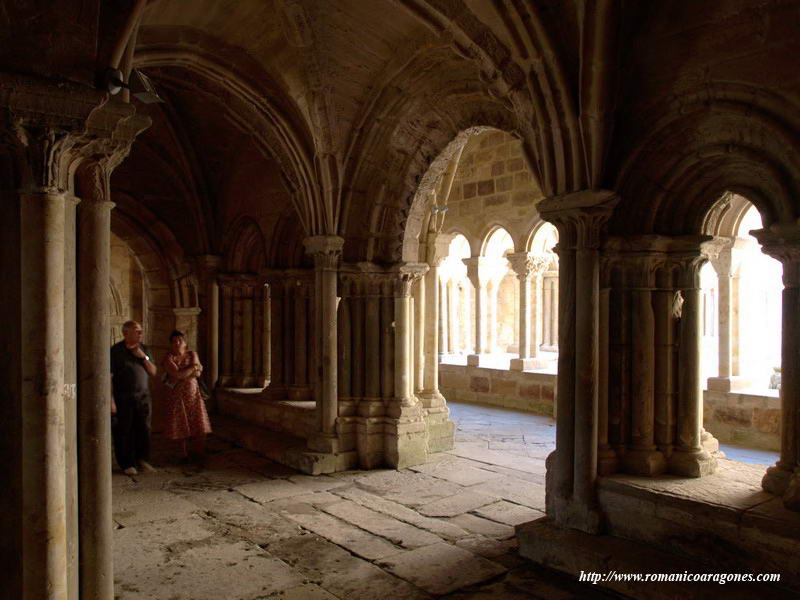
146,362
198,368
175,372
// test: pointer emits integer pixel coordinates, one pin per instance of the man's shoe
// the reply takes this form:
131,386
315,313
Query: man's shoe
131,471
146,467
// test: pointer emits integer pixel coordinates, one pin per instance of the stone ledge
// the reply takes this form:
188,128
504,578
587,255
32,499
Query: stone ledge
572,551
283,448
725,519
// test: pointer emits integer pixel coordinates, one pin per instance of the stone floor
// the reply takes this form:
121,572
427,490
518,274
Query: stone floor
244,528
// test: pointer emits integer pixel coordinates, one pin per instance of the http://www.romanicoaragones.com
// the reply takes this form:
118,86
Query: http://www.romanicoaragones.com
721,578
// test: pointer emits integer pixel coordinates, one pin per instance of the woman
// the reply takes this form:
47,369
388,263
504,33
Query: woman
187,418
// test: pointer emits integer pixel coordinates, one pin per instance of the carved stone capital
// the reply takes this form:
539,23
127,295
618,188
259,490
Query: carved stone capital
438,247
405,275
782,242
481,269
325,249
579,217
57,127
526,265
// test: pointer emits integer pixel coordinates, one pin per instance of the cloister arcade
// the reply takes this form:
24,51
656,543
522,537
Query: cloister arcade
360,211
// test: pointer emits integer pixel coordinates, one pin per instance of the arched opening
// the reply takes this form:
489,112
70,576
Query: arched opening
456,304
502,295
741,353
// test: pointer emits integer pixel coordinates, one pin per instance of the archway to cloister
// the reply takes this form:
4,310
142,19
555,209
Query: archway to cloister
741,359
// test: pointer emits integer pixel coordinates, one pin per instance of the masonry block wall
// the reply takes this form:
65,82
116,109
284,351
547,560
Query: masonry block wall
492,186
520,390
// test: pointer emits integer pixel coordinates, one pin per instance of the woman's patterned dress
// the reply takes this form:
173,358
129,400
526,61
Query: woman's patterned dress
186,411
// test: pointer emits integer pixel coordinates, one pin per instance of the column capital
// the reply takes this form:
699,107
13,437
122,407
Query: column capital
782,242
579,217
481,268
405,275
527,264
71,134
325,249
438,247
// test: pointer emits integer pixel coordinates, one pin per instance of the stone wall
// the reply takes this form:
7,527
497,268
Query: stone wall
519,390
750,420
492,186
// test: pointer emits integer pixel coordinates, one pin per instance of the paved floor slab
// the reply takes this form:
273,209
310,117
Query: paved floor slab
442,568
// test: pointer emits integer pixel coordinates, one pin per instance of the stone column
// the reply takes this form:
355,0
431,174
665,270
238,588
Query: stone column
326,251
528,268
441,430
444,318
42,358
689,458
226,369
726,265
418,351
300,348
406,434
643,457
438,248
94,383
372,346
209,265
42,201
572,469
266,334
477,272
783,479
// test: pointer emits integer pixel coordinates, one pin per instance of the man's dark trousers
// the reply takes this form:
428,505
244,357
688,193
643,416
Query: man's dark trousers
131,430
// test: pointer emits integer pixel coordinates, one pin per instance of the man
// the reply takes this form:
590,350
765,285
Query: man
131,367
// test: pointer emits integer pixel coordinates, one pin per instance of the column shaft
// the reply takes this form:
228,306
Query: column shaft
419,336
524,317
44,542
431,383
373,347
586,374
402,369
300,338
565,395
94,400
213,332
330,394
444,321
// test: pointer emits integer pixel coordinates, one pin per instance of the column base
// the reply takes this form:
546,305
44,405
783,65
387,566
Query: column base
692,463
405,435
570,514
431,398
370,442
710,444
324,442
728,384
791,499
644,462
776,479
528,364
607,461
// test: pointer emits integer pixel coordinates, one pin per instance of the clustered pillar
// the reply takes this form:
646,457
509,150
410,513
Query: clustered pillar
55,368
326,252
242,325
654,393
572,468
